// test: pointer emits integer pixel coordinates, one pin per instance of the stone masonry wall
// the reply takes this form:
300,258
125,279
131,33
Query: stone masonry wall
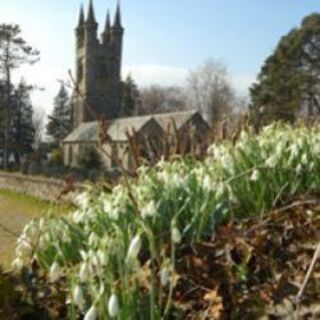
41,188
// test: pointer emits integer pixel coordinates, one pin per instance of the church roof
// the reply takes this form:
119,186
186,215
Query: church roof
117,129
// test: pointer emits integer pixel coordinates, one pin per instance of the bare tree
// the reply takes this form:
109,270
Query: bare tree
39,117
159,99
210,91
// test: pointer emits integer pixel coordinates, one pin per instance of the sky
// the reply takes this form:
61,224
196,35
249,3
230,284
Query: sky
164,39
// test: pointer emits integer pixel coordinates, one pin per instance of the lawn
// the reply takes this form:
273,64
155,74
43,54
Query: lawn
16,210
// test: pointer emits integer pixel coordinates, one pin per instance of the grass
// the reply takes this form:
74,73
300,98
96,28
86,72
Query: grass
16,210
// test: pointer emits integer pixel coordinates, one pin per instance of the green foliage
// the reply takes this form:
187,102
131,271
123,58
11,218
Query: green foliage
60,122
288,83
123,244
22,127
130,97
56,157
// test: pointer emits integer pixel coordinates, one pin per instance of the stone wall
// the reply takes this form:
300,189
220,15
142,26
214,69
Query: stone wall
41,188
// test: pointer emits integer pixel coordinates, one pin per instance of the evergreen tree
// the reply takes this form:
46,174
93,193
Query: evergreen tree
60,122
289,83
22,131
130,97
14,52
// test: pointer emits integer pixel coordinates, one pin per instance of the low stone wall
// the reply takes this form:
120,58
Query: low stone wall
41,188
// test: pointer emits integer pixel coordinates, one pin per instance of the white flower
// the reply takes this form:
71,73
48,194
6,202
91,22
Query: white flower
134,248
176,236
299,168
83,273
54,273
41,224
91,314
82,200
164,277
17,264
93,239
111,210
149,210
255,175
113,306
271,161
78,297
304,159
24,249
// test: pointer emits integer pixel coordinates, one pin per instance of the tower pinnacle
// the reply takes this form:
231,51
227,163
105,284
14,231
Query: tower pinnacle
81,17
91,16
117,18
108,23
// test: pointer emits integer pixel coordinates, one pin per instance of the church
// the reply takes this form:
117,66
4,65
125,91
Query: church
96,100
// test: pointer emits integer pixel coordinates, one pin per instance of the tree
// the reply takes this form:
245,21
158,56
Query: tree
130,97
14,52
60,122
289,81
210,91
159,99
22,130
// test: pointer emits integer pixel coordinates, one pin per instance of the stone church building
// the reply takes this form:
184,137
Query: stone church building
97,102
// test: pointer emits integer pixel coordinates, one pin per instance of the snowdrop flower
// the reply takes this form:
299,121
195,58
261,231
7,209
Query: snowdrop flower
113,306
93,239
54,273
84,271
176,236
271,161
78,297
24,249
17,264
207,183
111,210
134,248
304,159
255,175
149,210
164,277
83,200
41,224
91,314
299,168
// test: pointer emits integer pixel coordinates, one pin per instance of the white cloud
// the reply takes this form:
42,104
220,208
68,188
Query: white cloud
242,83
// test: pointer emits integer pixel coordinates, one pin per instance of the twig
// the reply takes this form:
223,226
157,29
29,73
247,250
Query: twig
306,280
298,204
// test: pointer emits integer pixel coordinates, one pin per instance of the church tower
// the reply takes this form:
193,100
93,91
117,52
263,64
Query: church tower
98,68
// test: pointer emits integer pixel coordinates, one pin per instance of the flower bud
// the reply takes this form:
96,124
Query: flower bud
113,306
78,297
176,236
134,248
54,273
91,314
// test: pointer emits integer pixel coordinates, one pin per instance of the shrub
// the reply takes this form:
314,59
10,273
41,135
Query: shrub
56,158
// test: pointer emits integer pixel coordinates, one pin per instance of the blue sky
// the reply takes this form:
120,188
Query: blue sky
163,40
